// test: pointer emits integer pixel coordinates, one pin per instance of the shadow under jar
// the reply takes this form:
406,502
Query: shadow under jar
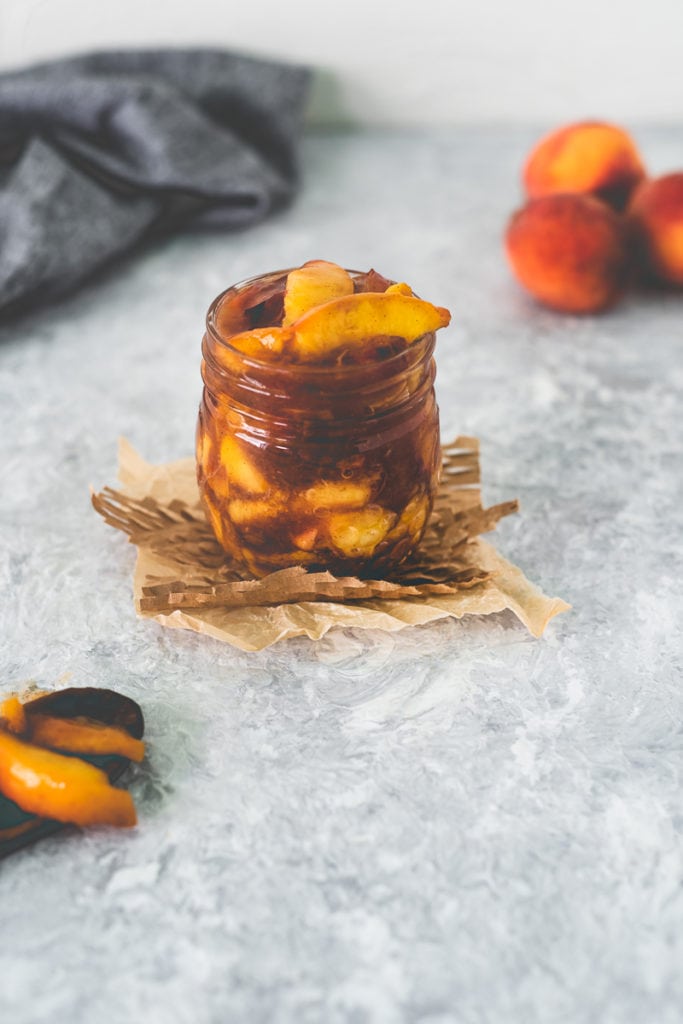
330,466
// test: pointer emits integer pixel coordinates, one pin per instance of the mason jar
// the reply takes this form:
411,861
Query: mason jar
324,466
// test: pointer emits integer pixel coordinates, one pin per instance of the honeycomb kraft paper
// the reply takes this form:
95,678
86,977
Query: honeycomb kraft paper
182,578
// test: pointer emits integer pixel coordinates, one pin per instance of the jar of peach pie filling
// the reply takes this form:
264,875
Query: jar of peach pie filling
330,465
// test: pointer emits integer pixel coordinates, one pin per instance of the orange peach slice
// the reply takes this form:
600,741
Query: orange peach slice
83,736
354,320
218,484
261,343
217,524
241,471
244,511
62,788
413,518
263,564
335,494
400,288
305,540
317,282
203,450
12,715
357,534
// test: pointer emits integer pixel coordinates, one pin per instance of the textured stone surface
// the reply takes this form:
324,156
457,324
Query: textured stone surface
450,824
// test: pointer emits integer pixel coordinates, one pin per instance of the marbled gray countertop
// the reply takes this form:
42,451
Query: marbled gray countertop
456,823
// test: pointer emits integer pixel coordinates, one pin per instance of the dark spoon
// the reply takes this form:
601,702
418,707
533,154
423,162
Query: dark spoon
19,828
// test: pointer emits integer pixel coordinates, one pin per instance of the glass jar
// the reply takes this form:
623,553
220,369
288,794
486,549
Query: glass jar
326,466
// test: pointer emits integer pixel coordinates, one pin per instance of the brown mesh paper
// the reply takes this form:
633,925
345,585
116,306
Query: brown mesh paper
184,579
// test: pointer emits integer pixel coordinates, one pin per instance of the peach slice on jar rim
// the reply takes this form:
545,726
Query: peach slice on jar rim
351,322
400,288
354,321
260,343
311,285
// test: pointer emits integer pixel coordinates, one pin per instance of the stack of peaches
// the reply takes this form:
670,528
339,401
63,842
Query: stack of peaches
594,223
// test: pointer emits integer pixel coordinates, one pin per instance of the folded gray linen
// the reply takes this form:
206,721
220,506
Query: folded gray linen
101,151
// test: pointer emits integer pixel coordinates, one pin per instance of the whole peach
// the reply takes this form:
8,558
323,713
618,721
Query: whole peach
590,156
569,250
656,219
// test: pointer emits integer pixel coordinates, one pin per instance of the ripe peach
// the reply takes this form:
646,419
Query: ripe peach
656,219
589,156
569,251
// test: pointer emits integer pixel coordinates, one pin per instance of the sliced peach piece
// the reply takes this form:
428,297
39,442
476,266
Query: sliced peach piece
219,484
305,540
240,469
355,320
413,518
243,511
83,736
262,343
62,788
318,281
204,449
216,521
400,288
262,563
357,534
12,715
335,494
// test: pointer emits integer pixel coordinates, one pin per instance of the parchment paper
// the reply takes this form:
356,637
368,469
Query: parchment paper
184,580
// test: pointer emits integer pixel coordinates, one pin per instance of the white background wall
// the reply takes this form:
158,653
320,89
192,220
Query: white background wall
405,61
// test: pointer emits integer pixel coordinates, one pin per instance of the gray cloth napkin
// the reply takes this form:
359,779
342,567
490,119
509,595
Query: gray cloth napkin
99,152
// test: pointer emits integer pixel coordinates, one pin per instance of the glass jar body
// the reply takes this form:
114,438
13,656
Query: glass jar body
330,467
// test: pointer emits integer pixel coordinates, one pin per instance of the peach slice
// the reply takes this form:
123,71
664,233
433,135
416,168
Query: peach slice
241,471
244,511
59,787
336,494
261,343
354,320
12,715
413,518
313,284
305,539
204,446
216,521
357,534
263,564
83,736
218,484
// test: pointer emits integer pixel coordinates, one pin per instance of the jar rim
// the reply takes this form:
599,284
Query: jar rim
304,369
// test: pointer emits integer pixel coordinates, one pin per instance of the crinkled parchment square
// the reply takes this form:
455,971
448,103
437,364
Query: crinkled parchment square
184,580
